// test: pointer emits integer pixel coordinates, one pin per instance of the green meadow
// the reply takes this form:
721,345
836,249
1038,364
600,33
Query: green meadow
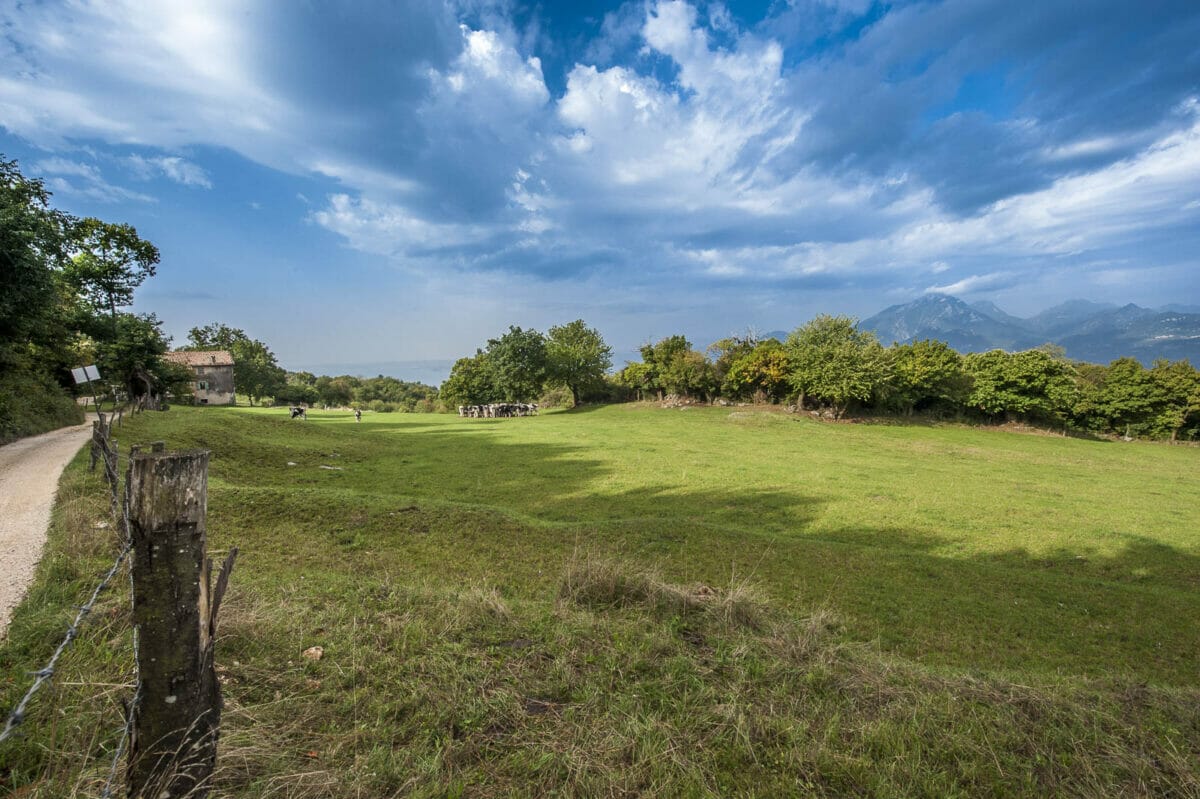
635,601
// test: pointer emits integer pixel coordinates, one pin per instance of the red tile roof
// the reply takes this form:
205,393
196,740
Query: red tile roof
200,358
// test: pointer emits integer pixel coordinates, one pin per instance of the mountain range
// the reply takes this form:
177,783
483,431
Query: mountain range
1088,331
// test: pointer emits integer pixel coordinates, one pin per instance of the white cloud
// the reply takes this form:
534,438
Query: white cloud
69,177
387,229
173,167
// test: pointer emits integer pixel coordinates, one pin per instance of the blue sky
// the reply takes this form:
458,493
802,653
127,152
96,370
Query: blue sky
379,182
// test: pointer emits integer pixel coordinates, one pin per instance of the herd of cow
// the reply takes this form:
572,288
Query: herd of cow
495,410
498,410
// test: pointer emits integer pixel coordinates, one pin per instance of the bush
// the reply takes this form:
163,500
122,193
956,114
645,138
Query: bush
557,397
32,404
379,406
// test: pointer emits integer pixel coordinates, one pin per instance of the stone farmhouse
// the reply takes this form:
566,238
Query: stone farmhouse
213,370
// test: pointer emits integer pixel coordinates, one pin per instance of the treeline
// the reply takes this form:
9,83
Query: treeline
569,361
830,365
64,285
381,394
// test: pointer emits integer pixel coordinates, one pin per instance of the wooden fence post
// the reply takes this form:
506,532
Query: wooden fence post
176,720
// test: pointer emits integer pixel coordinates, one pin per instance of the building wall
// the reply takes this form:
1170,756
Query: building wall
213,385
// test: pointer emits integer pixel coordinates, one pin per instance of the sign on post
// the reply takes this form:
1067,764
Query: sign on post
85,374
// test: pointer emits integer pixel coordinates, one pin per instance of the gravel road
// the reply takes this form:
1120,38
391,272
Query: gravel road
29,472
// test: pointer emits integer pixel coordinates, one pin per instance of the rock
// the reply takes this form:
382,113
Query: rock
314,652
292,463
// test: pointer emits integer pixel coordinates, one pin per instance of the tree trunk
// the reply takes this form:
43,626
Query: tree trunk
575,395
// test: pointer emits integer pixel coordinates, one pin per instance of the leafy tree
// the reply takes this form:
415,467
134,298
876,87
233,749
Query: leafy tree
926,372
726,351
134,359
519,364
471,382
637,377
109,262
836,362
577,357
1126,397
1177,398
658,358
33,240
1030,384
689,374
763,369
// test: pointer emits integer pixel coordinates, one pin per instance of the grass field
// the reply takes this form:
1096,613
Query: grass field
637,601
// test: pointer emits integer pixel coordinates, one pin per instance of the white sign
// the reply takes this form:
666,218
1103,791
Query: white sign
85,374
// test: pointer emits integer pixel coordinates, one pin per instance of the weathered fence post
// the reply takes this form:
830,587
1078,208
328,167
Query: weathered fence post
176,720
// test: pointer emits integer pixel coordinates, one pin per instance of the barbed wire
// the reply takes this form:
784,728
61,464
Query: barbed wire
131,709
46,672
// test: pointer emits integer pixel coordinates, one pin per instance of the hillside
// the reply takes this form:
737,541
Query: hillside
634,601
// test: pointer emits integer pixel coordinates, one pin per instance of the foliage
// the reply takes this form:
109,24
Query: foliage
762,370
836,363
577,357
472,381
1177,399
519,363
725,352
110,260
134,358
32,403
673,367
1031,384
33,240
56,274
924,373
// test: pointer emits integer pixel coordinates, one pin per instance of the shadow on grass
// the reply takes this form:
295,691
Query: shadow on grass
454,502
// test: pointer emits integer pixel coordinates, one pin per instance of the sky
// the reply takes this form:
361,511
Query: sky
383,186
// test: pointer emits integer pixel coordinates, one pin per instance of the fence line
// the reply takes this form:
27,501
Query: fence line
162,504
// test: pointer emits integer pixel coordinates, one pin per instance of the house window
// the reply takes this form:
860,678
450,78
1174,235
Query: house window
202,385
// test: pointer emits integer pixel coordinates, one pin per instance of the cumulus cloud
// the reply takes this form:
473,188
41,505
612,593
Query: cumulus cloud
834,143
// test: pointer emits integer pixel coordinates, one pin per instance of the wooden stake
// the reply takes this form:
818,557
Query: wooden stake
176,722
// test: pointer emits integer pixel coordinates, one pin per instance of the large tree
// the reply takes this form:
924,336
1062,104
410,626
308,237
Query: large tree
924,373
519,364
1032,385
835,362
472,381
109,262
577,357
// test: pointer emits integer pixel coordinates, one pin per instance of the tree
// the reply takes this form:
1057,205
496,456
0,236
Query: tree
134,359
726,351
577,357
32,249
836,362
1176,398
658,358
926,372
519,365
471,382
764,370
1030,384
109,262
256,373
637,377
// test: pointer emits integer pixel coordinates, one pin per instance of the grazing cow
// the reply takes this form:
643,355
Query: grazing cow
299,410
357,415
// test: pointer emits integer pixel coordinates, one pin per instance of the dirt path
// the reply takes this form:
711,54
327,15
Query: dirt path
29,472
